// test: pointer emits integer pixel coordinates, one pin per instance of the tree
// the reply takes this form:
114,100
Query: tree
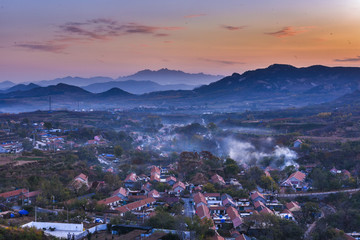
273,227
27,145
202,227
309,212
162,219
47,125
118,151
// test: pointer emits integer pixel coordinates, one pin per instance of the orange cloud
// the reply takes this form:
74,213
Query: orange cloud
355,59
289,31
225,62
232,28
100,29
48,46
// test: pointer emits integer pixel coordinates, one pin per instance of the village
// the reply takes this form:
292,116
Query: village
147,191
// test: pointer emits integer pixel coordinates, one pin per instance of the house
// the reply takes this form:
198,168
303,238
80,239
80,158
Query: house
212,196
13,195
217,179
216,209
266,211
295,180
258,206
293,206
112,201
178,187
121,193
155,174
154,194
171,180
297,143
30,197
80,181
234,216
136,206
227,200
130,180
287,214
203,212
243,204
256,196
199,199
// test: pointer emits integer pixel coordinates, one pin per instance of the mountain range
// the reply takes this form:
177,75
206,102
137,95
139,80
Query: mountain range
275,87
163,76
136,86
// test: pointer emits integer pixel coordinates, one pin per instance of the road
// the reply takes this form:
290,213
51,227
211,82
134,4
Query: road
189,210
309,194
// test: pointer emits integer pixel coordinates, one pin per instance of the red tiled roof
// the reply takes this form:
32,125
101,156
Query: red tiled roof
110,200
259,204
155,177
121,191
134,205
13,193
298,175
82,176
32,194
199,198
179,184
153,193
212,195
217,179
203,211
234,216
217,207
168,179
292,206
256,195
131,177
242,237
155,169
266,211
286,211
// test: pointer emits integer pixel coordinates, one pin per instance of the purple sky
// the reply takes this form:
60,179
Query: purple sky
45,39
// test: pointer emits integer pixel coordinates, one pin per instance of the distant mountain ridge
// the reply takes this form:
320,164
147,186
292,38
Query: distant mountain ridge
163,76
75,81
136,87
275,87
6,84
166,76
20,87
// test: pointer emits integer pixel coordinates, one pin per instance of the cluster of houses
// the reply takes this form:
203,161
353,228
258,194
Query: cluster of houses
223,209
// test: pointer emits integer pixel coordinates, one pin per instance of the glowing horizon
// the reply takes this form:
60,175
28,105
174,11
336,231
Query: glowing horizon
43,40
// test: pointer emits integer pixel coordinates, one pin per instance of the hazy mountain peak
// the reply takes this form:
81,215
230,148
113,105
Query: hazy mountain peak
168,76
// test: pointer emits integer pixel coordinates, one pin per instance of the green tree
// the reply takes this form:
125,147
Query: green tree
118,151
48,125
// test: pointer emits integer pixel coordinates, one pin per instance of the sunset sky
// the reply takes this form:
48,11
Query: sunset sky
45,39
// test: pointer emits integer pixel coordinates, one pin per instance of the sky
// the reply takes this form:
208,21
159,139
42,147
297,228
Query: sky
42,39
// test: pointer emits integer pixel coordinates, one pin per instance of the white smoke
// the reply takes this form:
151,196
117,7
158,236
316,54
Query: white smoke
246,153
